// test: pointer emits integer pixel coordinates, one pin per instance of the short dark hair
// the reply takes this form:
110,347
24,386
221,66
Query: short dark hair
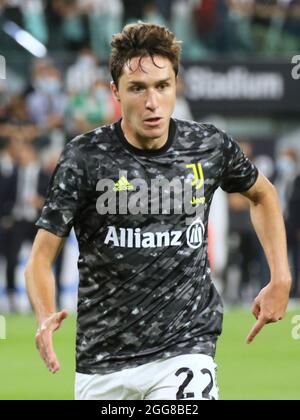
142,40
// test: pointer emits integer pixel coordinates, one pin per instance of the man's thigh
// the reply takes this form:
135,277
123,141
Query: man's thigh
105,387
187,377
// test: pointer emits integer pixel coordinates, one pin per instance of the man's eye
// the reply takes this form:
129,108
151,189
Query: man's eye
137,89
163,86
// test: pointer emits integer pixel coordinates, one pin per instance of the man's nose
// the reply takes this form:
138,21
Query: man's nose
152,101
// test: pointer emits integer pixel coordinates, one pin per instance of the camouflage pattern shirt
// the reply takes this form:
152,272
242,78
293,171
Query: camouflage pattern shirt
145,290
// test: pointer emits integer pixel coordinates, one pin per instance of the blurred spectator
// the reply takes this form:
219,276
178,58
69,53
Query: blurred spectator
164,7
222,28
105,19
34,19
291,28
287,184
47,102
8,183
182,107
265,163
293,233
32,184
205,14
133,10
240,21
244,248
83,73
268,23
183,24
286,165
210,19
4,101
16,108
73,27
86,111
152,14
2,5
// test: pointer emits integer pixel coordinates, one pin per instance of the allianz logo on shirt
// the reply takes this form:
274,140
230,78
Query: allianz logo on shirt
134,238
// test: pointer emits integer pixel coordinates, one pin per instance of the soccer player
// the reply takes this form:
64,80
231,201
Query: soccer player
148,314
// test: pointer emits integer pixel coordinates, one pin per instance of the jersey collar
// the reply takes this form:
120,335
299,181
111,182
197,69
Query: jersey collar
147,152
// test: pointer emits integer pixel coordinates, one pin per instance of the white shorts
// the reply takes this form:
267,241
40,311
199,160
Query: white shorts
186,377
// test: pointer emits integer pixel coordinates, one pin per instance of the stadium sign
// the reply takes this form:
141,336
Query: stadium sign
242,87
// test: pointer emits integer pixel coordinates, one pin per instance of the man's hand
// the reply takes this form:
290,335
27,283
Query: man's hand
43,339
269,306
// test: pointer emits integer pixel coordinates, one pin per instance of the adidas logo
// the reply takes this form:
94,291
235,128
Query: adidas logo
123,185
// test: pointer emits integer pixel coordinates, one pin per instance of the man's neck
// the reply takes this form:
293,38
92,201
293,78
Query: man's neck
143,143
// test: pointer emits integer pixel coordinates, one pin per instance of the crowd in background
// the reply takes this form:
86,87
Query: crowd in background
57,99
35,125
206,27
239,264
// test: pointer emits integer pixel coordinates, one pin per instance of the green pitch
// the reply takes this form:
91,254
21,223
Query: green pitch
267,369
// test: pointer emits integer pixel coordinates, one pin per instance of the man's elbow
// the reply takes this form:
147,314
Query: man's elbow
267,196
263,193
271,191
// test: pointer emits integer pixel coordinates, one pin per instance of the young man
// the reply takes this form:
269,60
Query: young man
148,314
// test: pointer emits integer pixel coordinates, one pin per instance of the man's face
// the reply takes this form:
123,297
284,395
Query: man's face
147,93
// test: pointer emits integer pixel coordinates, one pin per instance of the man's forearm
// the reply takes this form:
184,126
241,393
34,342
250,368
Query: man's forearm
40,284
269,225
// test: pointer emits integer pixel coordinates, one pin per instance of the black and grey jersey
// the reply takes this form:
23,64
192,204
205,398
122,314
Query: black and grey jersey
141,221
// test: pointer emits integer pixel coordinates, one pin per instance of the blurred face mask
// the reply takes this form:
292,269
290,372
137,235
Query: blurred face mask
86,61
100,94
286,166
48,85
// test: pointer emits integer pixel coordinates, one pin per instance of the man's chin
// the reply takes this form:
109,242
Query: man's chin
154,132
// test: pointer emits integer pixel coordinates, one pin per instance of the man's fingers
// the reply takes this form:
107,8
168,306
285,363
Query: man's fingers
60,316
45,347
256,329
256,310
51,358
44,342
63,314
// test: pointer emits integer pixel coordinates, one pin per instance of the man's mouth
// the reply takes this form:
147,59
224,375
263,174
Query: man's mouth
153,121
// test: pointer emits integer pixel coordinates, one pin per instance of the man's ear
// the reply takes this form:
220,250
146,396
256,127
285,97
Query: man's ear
114,91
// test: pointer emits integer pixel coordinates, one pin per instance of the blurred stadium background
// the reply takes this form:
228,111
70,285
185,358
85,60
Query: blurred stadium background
240,71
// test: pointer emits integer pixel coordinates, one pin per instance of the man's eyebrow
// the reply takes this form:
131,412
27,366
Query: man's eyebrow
139,83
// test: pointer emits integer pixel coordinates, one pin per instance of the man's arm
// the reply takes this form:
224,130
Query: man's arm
271,303
40,284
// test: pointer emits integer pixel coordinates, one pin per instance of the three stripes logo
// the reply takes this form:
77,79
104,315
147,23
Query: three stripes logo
123,185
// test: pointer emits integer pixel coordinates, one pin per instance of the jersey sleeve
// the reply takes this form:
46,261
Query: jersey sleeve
239,173
66,193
